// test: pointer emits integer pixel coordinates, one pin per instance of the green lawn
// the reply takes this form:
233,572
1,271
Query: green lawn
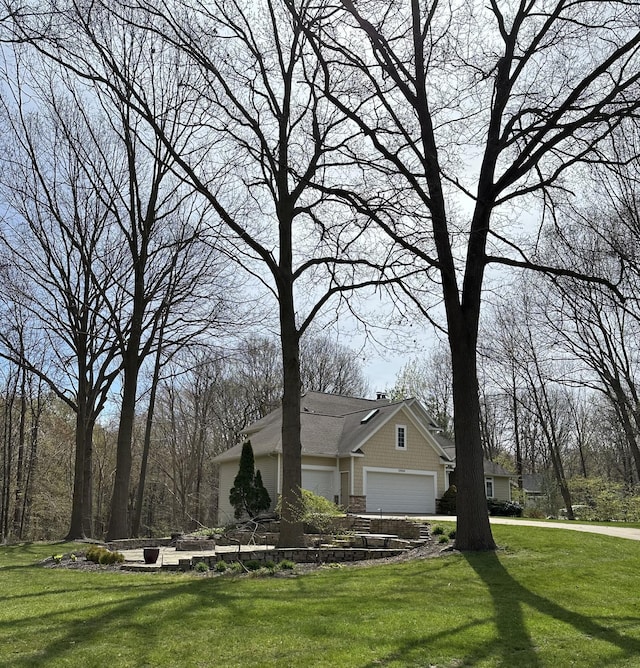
547,598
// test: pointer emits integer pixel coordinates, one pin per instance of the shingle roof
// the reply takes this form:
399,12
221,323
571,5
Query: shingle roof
332,426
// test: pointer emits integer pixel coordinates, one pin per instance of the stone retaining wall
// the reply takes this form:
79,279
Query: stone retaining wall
397,527
138,543
298,555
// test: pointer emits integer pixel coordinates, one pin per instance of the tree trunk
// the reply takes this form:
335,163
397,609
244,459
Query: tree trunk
119,519
82,500
473,531
22,429
146,446
291,531
516,429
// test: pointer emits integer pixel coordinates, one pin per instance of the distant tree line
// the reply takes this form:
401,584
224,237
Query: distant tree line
204,400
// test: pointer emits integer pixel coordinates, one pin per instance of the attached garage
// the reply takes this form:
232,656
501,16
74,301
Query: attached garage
319,481
400,491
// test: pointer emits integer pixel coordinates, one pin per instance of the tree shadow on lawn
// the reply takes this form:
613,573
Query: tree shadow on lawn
513,644
509,601
121,605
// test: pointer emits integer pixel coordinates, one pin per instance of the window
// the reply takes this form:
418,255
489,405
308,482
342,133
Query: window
401,437
488,487
369,415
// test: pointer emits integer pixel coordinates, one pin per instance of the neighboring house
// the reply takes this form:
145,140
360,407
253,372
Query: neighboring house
534,487
368,455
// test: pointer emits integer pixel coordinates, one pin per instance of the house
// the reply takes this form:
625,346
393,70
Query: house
368,455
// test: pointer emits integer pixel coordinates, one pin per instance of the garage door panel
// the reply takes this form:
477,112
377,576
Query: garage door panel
400,492
318,482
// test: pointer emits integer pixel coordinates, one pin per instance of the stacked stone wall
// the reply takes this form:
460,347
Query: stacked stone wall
297,555
397,527
138,543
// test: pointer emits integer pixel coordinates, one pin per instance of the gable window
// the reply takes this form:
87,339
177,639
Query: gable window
488,488
401,437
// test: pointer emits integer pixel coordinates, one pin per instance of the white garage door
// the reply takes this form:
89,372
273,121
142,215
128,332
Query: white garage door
400,492
318,482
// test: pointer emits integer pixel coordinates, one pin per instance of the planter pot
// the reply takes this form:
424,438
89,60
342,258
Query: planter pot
150,554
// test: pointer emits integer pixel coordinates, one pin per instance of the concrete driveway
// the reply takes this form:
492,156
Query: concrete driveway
617,532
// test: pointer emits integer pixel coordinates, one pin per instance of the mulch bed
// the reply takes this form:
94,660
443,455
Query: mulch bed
430,550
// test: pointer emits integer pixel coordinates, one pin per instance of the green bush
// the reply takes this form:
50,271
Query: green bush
100,555
317,512
533,512
201,567
447,503
286,565
253,565
452,534
604,501
443,539
437,531
208,532
504,508
248,494
236,567
220,567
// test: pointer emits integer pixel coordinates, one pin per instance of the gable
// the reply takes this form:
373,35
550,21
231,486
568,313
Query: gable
401,414
420,451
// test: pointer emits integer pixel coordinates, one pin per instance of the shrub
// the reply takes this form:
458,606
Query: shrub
253,565
533,512
270,565
220,567
437,531
317,512
100,555
208,532
201,567
443,539
504,508
248,494
236,567
603,500
452,534
286,565
447,504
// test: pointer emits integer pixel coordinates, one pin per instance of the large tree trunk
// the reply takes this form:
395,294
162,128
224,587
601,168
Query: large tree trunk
291,532
119,519
473,531
146,446
82,501
19,492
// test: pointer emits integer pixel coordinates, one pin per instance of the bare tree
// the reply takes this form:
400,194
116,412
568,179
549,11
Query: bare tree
262,134
56,241
430,380
329,366
491,103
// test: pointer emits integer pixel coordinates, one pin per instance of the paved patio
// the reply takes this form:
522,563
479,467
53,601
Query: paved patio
169,556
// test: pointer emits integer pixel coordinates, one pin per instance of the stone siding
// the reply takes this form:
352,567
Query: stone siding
357,504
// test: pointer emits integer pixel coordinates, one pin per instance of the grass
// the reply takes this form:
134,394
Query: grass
547,598
600,523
